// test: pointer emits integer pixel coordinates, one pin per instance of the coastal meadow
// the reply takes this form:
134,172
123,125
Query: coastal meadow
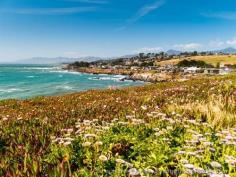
166,129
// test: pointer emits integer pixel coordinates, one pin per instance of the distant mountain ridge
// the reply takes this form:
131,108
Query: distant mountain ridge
229,50
59,60
56,60
173,52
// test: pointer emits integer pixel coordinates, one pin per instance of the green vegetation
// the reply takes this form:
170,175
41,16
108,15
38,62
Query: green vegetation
192,63
209,59
81,64
167,129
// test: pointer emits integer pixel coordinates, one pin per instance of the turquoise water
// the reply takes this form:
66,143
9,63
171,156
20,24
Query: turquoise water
25,81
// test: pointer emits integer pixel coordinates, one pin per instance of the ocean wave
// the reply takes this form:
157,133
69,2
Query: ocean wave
117,79
66,72
11,90
64,87
31,76
40,68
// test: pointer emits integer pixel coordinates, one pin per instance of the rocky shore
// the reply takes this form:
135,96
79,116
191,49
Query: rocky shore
145,76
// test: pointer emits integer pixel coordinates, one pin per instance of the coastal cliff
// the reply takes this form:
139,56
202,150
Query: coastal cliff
130,74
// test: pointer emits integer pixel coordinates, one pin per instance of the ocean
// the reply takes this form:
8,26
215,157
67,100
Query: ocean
27,81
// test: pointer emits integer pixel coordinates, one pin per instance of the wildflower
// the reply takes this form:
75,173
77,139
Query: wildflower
69,130
230,160
103,158
87,122
130,117
53,137
212,149
121,161
218,175
165,139
208,134
215,164
19,118
207,143
95,120
78,131
181,152
189,172
192,153
192,121
229,137
202,139
189,166
144,107
156,129
67,135
184,161
68,139
106,128
218,135
199,170
123,123
5,119
149,171
61,142
133,172
169,128
90,136
54,141
192,142
98,143
86,144
67,143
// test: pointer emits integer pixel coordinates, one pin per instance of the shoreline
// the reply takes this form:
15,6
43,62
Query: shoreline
58,82
149,77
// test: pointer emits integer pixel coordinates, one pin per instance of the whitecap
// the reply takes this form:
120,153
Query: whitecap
64,71
64,87
30,76
11,90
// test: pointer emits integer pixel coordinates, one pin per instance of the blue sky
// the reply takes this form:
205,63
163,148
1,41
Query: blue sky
73,28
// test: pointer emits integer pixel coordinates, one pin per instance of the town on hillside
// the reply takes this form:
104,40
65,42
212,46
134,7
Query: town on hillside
157,67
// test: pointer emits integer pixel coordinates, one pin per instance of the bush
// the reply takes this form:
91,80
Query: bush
80,64
192,63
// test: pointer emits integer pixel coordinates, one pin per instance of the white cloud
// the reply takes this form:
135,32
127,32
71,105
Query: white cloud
149,50
216,43
143,11
189,46
221,15
48,11
146,10
231,42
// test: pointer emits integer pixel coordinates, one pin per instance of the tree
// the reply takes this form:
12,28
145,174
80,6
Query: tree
80,64
195,53
141,55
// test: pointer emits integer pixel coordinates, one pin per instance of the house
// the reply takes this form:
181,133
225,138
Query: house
220,71
191,70
135,68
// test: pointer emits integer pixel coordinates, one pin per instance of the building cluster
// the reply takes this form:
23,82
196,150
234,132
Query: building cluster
147,62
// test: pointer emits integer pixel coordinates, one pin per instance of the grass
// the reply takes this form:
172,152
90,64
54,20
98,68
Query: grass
167,129
214,59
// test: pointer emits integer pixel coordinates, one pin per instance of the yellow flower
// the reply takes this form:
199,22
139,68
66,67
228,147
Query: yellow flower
103,158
